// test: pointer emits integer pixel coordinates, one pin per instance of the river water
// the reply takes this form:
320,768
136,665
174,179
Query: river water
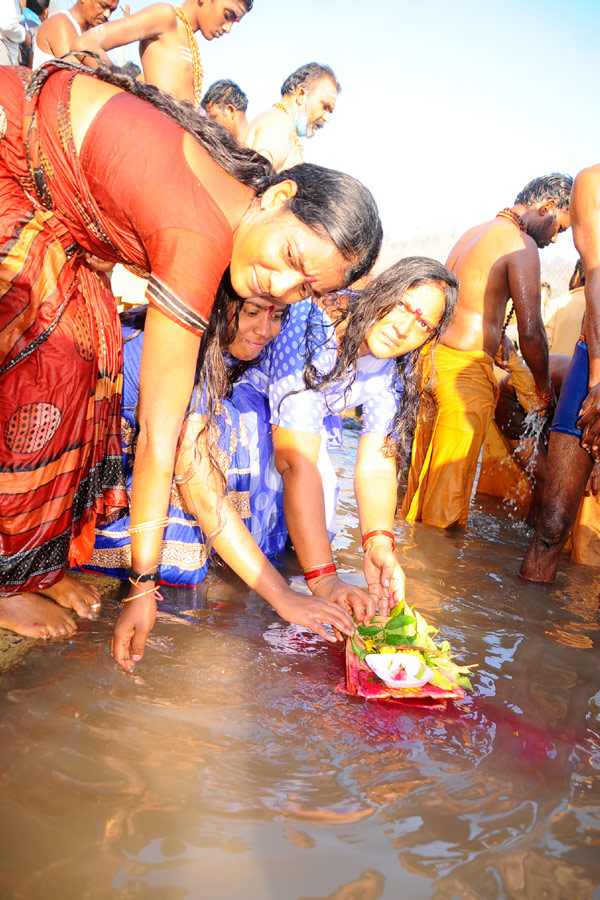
229,767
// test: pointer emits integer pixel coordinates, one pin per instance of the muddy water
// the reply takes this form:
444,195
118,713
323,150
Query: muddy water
228,767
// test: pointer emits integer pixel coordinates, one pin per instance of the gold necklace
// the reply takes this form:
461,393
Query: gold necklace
198,71
282,109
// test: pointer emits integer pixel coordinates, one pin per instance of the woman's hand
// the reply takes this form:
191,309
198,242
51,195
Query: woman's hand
384,575
345,596
313,612
132,629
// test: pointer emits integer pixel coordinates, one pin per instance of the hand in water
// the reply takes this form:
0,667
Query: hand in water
132,629
313,612
589,421
544,408
384,575
344,595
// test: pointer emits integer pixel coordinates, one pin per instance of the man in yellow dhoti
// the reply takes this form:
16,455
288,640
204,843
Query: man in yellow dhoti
444,454
496,261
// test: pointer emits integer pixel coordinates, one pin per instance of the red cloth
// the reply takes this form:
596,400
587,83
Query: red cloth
129,197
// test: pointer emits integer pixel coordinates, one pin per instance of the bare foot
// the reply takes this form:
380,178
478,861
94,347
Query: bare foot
34,616
82,598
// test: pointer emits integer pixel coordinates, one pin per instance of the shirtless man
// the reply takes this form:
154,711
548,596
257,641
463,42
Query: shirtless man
168,49
495,262
308,98
226,103
575,433
57,35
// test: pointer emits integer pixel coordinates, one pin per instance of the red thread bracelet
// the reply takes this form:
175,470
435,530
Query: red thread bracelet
374,533
546,396
329,569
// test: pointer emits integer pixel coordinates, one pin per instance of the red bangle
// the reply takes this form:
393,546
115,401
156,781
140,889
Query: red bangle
329,569
375,532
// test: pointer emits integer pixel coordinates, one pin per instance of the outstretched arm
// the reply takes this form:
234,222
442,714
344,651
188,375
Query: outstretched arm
149,23
296,455
166,381
585,221
524,283
376,488
202,493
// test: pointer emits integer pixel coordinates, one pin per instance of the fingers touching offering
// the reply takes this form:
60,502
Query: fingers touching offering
346,596
384,576
314,613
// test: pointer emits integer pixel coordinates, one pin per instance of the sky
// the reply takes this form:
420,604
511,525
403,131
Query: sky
447,108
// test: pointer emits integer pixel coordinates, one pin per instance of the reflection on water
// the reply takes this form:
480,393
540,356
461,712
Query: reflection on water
228,766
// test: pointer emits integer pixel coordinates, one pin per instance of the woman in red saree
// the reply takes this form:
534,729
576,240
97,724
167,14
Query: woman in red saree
87,170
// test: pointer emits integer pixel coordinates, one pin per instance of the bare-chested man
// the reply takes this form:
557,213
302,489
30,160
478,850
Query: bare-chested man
575,433
226,103
168,49
495,262
308,98
57,35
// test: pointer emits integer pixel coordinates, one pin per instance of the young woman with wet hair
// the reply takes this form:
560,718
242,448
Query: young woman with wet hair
179,199
210,492
334,354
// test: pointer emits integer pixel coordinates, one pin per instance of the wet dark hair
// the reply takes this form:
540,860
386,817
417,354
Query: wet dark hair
577,279
555,187
332,204
364,309
38,6
337,206
225,93
307,76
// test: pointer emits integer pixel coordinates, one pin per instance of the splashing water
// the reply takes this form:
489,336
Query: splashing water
533,426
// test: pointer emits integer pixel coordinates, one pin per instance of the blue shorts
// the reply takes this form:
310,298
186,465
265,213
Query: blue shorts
574,391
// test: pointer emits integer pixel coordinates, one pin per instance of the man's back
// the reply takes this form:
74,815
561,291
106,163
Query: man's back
489,260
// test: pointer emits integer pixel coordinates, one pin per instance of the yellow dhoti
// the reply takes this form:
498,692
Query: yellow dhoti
458,404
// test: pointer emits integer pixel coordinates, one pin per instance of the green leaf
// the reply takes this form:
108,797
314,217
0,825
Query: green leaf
400,621
397,640
369,630
360,651
464,682
398,609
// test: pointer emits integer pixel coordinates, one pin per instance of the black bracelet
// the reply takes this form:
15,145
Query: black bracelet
140,579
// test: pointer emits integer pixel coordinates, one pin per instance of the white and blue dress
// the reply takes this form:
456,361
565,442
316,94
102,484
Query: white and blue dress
273,393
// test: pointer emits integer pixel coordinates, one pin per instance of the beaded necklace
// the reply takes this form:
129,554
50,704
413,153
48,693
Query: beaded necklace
282,109
512,216
198,71
516,219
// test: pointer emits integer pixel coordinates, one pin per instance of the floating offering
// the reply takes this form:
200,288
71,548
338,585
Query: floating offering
395,657
399,670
